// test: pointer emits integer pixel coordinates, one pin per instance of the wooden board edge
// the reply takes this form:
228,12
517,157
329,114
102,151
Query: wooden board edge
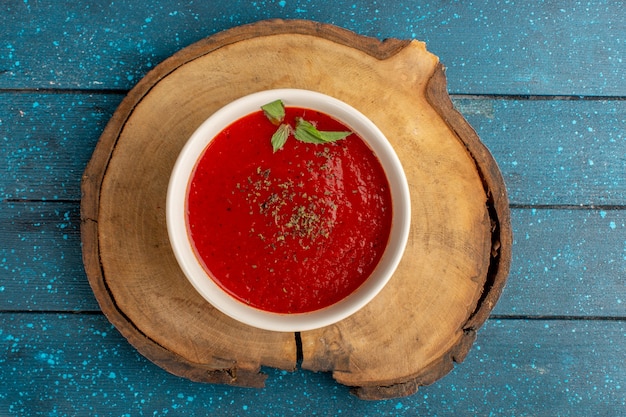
372,46
427,376
501,248
495,190
162,357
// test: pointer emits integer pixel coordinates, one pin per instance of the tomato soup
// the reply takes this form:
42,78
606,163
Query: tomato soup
290,231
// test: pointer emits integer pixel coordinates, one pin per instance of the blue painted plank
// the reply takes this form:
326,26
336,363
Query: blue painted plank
550,152
46,141
489,47
79,365
565,262
40,258
555,151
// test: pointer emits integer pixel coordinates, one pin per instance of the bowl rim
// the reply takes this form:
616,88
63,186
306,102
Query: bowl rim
183,247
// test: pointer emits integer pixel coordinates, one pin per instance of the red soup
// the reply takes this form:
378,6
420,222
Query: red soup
290,231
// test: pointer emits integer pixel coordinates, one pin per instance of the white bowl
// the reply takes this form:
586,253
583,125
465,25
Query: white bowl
183,247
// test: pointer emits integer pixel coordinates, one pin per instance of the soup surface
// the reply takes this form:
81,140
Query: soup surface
290,231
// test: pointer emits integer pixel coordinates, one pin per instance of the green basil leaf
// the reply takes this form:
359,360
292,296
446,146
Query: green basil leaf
330,136
274,111
306,132
279,138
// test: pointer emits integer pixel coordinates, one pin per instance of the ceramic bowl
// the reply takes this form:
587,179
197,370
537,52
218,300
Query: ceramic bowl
183,247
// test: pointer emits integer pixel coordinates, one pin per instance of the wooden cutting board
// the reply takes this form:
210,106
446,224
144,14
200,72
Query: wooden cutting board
446,285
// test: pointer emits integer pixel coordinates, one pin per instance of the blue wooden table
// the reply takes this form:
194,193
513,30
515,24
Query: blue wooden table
544,86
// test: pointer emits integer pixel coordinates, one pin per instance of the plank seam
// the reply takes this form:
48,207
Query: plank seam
454,96
59,91
513,206
41,200
535,97
555,317
606,207
493,317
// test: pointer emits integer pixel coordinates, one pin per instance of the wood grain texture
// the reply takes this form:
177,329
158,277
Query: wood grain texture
80,365
454,235
528,48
